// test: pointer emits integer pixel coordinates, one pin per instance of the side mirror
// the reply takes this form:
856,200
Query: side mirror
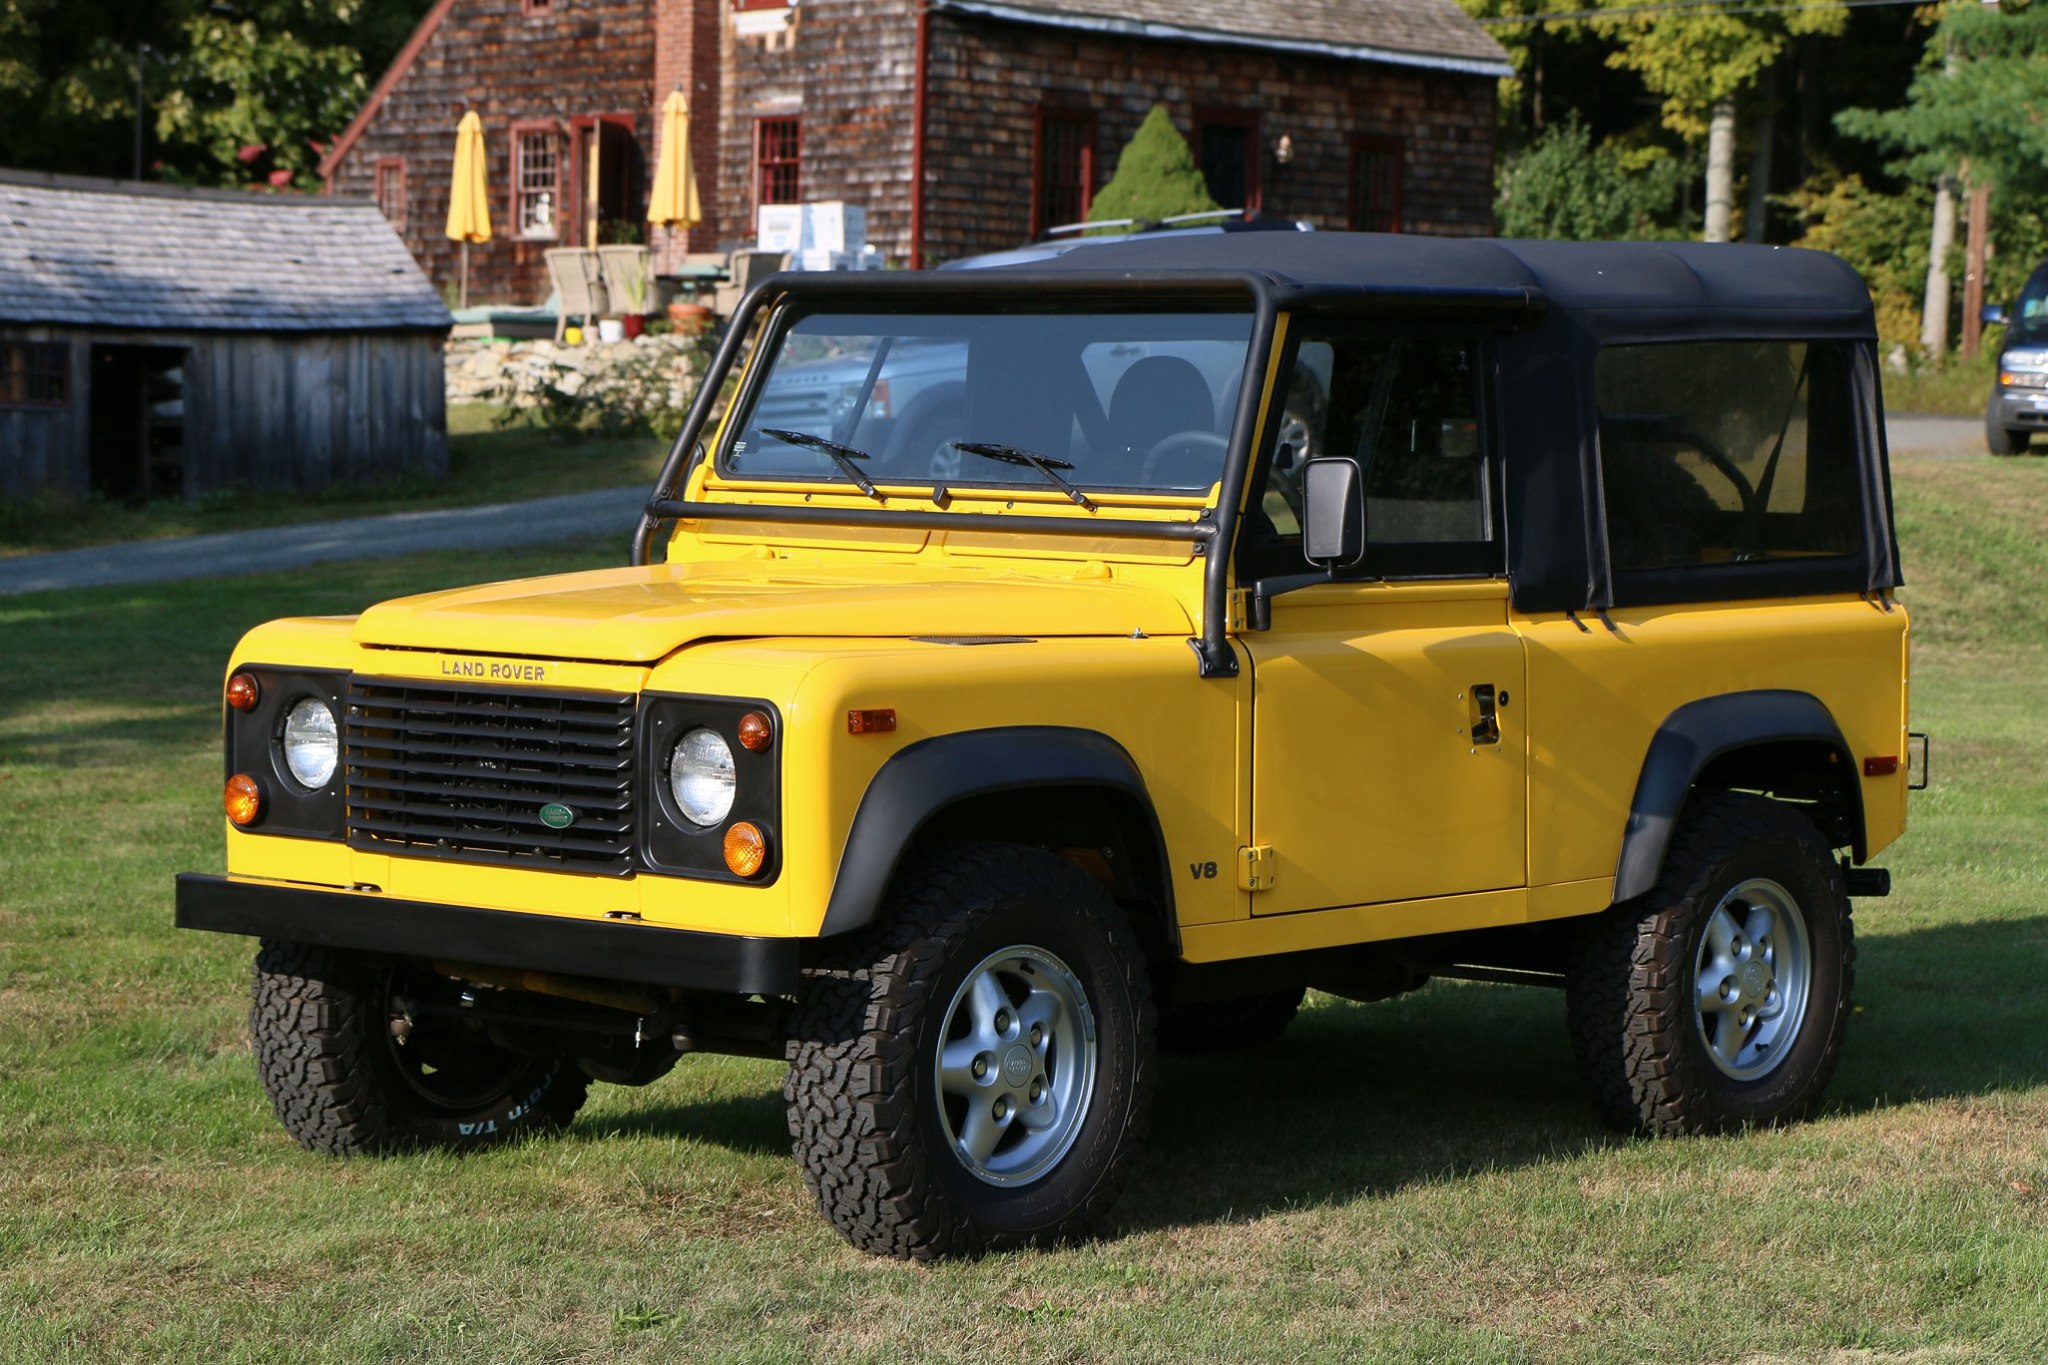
1333,512
1994,313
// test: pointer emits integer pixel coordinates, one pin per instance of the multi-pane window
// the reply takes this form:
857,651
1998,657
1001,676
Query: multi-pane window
778,158
391,190
537,182
1065,160
35,374
1376,184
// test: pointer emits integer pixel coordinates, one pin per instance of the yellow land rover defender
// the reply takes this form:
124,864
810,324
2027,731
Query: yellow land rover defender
1041,665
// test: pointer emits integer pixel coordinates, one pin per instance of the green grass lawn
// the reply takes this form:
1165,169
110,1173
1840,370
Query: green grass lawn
486,463
1421,1179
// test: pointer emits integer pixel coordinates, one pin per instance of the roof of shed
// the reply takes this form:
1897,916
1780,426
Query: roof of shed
104,253
1435,34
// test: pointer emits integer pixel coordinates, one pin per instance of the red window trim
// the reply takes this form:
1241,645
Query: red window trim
537,9
519,129
1254,155
761,162
61,371
1083,119
396,166
1372,142
761,4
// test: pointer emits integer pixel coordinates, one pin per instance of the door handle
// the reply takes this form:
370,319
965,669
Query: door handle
1485,726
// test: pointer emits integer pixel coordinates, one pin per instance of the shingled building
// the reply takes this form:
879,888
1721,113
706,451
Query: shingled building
960,125
157,342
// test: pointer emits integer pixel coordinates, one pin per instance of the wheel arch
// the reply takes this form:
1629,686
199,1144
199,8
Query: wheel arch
1779,741
1001,783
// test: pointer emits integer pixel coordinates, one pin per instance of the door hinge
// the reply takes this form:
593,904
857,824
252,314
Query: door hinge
1257,868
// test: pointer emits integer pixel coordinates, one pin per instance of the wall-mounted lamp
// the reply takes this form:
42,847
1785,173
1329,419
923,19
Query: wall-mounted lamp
1283,150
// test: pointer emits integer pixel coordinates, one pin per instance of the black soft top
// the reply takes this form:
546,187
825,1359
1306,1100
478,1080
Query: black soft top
1719,288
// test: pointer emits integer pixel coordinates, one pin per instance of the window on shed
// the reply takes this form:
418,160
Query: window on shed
35,374
1227,149
1726,452
391,190
537,182
778,159
1376,184
1063,178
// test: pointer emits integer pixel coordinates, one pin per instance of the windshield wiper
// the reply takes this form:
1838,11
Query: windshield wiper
1044,464
843,456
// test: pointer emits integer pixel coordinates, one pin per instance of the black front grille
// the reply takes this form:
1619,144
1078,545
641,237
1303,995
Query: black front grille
460,772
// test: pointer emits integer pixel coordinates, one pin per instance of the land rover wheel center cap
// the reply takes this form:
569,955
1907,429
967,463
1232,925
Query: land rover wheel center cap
1017,1065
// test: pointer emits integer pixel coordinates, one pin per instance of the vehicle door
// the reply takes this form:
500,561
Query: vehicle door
1388,763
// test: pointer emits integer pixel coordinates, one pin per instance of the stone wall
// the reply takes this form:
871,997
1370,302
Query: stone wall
490,371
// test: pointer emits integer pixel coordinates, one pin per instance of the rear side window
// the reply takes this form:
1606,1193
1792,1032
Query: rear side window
1726,453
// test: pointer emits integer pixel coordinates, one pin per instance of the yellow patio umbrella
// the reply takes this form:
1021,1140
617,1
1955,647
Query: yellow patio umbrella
469,197
674,201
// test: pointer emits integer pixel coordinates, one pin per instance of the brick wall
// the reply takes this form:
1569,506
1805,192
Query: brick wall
586,57
988,79
687,56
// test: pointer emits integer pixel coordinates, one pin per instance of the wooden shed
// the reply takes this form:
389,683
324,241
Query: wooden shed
166,342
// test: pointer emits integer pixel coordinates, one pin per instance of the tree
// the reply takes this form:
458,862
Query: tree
233,91
1565,187
1156,176
1702,63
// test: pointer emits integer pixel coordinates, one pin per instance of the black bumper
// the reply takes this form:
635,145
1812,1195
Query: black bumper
607,950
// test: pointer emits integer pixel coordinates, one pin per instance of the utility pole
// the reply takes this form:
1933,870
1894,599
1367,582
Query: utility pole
1973,277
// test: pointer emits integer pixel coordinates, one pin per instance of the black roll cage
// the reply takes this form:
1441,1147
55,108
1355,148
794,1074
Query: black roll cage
1214,533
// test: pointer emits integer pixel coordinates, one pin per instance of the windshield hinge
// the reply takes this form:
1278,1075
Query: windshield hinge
1257,868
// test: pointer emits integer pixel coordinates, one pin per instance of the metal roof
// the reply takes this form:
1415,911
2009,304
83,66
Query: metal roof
1434,34
115,254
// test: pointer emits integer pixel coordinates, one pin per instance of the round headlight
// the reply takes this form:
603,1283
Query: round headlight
700,775
311,744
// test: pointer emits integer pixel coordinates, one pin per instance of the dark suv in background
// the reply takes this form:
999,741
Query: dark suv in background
2018,406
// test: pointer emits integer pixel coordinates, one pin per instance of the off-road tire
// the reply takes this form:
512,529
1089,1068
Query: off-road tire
1630,997
1245,1021
321,1029
862,1090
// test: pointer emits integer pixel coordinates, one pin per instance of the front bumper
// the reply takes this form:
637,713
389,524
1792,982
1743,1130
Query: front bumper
2017,409
604,949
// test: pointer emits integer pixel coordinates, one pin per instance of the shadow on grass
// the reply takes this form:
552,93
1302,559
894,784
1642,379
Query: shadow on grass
1456,1080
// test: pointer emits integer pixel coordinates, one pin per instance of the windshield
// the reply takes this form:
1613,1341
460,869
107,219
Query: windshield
1139,401
2030,312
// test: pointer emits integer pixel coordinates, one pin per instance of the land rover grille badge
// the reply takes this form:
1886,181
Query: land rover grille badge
555,815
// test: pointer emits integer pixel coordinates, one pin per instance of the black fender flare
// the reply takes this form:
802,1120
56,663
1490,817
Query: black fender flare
925,778
1695,735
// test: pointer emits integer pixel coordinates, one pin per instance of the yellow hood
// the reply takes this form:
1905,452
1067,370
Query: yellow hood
639,615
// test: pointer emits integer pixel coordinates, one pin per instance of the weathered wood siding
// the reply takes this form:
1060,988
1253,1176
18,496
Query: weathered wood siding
592,57
274,411
46,447
988,79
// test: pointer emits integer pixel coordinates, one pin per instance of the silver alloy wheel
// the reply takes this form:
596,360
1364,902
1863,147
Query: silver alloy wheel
1752,979
1016,1066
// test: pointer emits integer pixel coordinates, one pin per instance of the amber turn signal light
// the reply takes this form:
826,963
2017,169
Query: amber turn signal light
243,799
243,692
756,733
746,849
879,721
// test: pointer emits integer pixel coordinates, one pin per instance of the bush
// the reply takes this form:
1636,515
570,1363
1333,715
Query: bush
1156,176
1561,186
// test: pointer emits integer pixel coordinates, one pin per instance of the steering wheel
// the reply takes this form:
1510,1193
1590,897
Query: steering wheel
1169,446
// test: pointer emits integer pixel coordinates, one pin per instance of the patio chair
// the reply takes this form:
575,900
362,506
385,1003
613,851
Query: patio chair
578,278
748,269
628,278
